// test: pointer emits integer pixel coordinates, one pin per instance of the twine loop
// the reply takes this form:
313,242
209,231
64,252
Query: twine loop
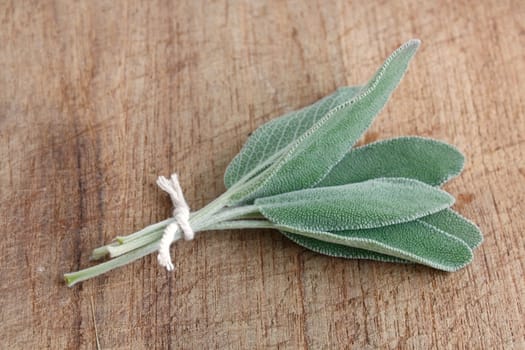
181,213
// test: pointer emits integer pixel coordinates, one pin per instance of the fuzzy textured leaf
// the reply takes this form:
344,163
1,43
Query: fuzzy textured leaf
368,204
414,241
446,220
271,138
311,156
339,250
456,225
426,160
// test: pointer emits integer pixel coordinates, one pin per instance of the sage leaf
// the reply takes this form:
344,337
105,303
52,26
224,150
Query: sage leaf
368,204
426,160
339,250
415,241
311,156
271,138
446,220
453,223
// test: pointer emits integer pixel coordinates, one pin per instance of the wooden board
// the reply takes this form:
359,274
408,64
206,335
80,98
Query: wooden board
98,98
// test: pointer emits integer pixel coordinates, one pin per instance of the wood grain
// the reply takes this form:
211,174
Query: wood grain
97,98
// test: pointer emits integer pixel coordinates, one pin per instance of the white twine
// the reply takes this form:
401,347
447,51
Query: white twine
181,213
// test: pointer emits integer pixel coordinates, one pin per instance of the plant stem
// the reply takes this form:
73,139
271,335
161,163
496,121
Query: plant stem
214,215
82,275
233,213
143,242
147,236
154,236
241,224
146,230
127,241
100,252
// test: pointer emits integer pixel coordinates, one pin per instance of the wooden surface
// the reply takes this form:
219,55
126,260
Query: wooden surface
99,98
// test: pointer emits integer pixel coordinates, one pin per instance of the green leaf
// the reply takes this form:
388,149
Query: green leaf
446,220
415,241
311,156
368,204
271,138
339,250
456,225
426,160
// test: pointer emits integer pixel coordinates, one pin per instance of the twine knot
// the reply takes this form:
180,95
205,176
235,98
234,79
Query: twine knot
181,213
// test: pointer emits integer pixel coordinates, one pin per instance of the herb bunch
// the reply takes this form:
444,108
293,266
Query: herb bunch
300,175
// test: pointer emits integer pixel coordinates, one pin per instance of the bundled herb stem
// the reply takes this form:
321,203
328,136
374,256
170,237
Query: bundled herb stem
300,175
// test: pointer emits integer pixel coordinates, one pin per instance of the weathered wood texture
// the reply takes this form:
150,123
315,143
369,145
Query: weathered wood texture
97,98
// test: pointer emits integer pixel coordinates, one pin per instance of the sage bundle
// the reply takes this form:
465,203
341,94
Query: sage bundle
299,174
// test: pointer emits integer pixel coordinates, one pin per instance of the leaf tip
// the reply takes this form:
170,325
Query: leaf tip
468,257
412,46
414,42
